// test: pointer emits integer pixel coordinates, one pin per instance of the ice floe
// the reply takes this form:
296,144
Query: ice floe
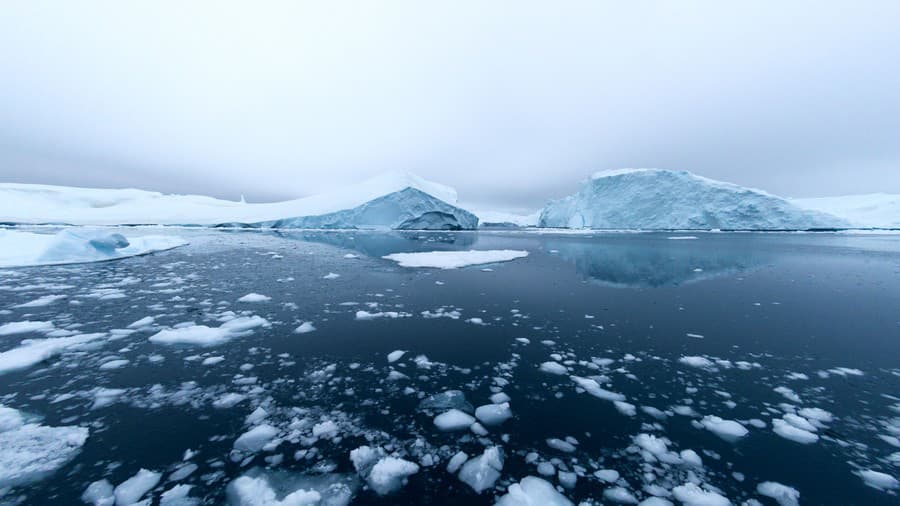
454,259
21,249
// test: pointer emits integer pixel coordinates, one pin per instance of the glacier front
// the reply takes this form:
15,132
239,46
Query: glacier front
657,199
394,200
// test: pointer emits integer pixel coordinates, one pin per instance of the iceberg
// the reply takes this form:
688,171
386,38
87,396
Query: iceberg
874,210
21,249
395,200
656,199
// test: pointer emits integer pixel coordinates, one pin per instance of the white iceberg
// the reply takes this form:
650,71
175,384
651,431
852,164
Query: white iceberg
655,199
533,491
874,210
396,200
71,246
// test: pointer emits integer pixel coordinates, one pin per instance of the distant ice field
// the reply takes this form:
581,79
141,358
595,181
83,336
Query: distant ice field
276,367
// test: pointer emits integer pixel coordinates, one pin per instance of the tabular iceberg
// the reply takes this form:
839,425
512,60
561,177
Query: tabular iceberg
396,200
655,199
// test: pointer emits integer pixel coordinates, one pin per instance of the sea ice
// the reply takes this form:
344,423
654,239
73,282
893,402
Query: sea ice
454,259
482,472
453,419
729,430
533,491
131,490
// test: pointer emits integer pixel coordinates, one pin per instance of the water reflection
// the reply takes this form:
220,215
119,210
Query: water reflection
627,262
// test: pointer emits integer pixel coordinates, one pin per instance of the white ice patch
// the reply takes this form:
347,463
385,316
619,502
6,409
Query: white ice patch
131,490
25,326
784,429
454,259
533,491
304,328
201,335
729,430
453,419
46,300
255,439
692,495
482,472
592,387
877,480
33,351
19,249
493,414
255,297
365,315
782,494
389,474
553,368
395,355
29,451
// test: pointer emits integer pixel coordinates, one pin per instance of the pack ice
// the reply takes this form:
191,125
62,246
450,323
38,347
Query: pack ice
394,200
656,199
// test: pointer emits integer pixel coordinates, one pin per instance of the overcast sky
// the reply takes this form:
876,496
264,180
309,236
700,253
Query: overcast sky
510,102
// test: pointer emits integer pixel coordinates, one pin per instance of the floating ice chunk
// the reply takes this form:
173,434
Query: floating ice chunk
453,419
454,259
456,461
201,335
304,328
143,322
255,297
546,469
656,501
46,300
257,491
561,445
877,479
788,393
782,494
105,396
499,398
325,430
533,491
114,364
607,475
592,387
30,451
449,399
493,414
389,474
692,495
131,490
619,495
33,351
553,368
482,472
365,315
177,496
697,361
229,400
729,430
788,431
213,360
625,408
25,326
567,479
691,458
475,321
816,414
799,422
99,493
255,439
395,355
331,275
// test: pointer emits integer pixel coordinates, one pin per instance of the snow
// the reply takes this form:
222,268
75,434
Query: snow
29,451
453,419
782,494
533,491
877,210
394,199
692,495
493,414
201,335
482,472
34,351
254,297
389,474
729,430
131,490
255,439
21,249
877,479
454,259
788,431
654,199
24,327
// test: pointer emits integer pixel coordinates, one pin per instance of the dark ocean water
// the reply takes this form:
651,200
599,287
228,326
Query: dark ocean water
818,314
